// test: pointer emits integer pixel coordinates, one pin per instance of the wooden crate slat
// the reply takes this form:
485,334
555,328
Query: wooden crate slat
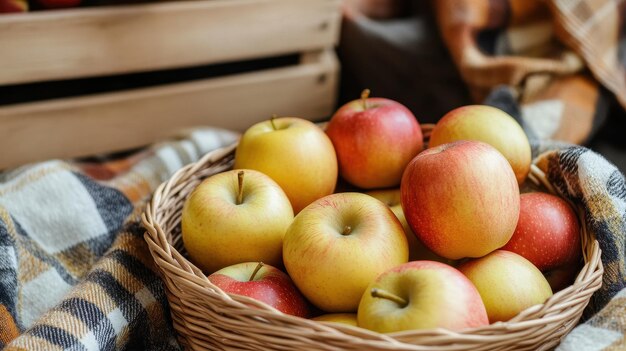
117,121
133,38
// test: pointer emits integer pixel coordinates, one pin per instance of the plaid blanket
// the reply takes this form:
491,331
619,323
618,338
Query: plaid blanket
75,272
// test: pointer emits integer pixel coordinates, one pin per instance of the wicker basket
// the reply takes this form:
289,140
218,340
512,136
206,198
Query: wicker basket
207,318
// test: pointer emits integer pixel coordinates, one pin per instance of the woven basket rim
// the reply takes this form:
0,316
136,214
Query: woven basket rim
183,279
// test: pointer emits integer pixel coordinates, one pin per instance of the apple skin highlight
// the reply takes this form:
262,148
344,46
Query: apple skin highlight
461,199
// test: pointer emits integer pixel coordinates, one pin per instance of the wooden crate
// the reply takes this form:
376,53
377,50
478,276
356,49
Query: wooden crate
104,41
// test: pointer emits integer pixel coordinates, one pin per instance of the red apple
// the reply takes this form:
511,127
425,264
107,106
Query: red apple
421,295
375,139
547,233
562,277
7,6
264,283
461,199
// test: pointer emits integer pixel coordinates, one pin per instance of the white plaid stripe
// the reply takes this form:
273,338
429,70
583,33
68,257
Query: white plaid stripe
7,257
40,294
116,317
56,211
588,338
89,342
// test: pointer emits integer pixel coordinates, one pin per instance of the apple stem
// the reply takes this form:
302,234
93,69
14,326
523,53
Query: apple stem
256,270
274,116
389,296
346,230
364,95
240,192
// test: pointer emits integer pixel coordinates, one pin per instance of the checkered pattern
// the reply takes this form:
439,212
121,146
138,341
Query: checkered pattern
542,50
588,179
75,272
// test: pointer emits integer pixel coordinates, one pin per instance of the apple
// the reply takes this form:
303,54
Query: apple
338,244
264,283
375,138
345,318
562,277
417,250
8,6
547,232
295,153
421,295
489,125
507,282
461,199
233,217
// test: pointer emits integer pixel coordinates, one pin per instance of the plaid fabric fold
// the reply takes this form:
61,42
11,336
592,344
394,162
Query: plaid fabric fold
558,57
75,272
588,179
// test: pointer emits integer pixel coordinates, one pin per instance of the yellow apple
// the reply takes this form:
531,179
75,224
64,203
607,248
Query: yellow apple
294,152
421,295
230,219
340,243
507,282
417,250
489,125
345,318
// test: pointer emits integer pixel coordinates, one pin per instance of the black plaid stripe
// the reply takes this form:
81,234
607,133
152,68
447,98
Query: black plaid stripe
113,207
564,174
616,186
57,336
8,277
93,317
142,273
131,307
33,248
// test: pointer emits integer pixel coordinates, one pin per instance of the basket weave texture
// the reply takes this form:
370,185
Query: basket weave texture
206,318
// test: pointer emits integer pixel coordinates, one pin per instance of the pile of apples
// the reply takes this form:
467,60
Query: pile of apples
359,224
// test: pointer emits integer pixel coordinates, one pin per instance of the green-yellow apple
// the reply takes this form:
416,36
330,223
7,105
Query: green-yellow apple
547,232
294,152
345,318
490,125
461,199
338,244
417,250
375,138
507,282
233,217
421,295
264,283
